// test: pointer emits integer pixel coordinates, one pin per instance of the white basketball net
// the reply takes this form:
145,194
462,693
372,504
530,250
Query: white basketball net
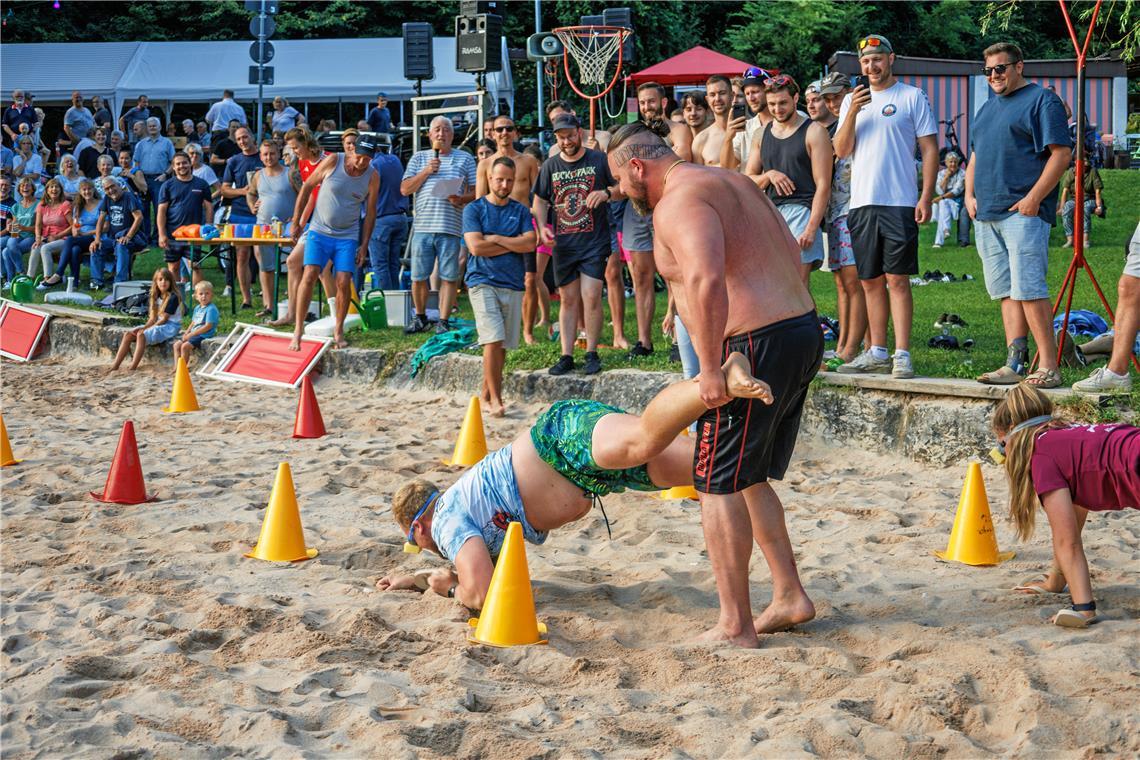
592,50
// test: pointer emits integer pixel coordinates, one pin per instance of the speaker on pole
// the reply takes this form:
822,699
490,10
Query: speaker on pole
478,42
418,61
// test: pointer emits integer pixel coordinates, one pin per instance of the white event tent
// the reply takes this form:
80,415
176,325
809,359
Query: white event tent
349,70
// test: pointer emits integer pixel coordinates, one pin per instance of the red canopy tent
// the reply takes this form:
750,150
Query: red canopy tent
691,67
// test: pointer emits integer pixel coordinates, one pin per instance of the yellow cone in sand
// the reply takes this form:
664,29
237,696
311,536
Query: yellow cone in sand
972,540
679,492
472,444
182,398
508,618
282,539
355,299
6,457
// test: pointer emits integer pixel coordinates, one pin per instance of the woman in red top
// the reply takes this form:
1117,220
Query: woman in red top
53,227
1072,470
308,154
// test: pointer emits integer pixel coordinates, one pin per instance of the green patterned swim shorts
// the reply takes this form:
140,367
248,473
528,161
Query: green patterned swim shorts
563,436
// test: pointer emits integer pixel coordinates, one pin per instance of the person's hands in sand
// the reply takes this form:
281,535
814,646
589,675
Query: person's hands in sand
397,582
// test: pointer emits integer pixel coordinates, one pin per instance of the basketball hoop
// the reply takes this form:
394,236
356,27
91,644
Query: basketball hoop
592,48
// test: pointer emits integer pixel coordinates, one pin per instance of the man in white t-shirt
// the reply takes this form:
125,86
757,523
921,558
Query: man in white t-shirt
878,128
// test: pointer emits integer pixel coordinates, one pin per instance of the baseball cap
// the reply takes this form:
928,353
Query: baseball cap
874,44
812,86
382,95
367,145
565,121
833,83
754,76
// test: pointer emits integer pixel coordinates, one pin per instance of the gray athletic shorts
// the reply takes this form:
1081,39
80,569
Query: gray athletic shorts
636,230
1132,263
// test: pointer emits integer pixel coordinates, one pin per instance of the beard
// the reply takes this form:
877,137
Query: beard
571,149
639,197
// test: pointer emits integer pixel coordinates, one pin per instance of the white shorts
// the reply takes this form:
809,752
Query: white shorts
498,314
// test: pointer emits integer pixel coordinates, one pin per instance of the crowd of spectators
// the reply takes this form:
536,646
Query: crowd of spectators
853,168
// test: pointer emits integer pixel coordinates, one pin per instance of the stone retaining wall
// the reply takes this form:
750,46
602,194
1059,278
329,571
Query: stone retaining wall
938,430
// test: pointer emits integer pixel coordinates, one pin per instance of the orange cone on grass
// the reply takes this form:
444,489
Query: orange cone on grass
472,443
182,397
125,480
309,423
507,618
282,539
972,539
6,457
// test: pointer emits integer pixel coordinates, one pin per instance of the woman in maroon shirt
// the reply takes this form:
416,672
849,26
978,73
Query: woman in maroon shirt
1073,470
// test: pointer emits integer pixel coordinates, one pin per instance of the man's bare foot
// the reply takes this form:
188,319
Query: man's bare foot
528,338
286,320
746,639
739,381
780,616
621,342
340,342
295,344
499,410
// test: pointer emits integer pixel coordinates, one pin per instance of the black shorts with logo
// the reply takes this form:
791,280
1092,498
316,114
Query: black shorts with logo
568,265
884,240
746,441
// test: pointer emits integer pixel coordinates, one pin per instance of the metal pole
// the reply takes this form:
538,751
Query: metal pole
538,67
260,69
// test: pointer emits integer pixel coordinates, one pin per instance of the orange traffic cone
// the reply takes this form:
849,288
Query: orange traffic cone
125,480
182,397
282,538
6,457
507,619
472,444
308,423
972,539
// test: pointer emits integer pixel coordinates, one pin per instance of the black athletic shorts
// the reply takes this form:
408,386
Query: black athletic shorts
884,239
175,251
568,265
530,263
745,441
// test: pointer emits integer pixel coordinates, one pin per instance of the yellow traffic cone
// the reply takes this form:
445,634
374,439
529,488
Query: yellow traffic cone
282,539
6,457
508,618
679,492
182,398
472,444
355,299
972,540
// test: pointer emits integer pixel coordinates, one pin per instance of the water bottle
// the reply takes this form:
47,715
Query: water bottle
406,280
369,282
275,227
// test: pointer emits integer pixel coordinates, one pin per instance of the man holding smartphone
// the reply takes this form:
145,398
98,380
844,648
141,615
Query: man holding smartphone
879,124
707,145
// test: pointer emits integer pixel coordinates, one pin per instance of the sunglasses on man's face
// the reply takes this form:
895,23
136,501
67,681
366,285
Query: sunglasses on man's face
999,69
501,130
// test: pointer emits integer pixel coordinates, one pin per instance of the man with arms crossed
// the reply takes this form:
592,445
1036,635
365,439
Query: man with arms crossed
1021,149
346,180
734,270
707,145
525,175
792,162
498,232
878,129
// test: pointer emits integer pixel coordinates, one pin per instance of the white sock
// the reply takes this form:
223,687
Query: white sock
1107,371
879,352
899,353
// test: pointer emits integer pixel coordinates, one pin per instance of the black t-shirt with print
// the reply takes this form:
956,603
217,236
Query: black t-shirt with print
565,185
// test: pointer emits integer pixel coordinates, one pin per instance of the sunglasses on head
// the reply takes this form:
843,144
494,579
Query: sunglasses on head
500,130
410,546
778,81
999,69
754,72
867,42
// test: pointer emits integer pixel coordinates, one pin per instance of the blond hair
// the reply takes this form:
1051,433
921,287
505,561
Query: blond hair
1023,402
409,499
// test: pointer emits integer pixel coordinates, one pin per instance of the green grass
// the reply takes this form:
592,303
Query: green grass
967,299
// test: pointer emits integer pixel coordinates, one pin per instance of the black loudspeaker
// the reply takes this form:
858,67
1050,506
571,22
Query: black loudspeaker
591,21
622,17
418,62
478,42
475,7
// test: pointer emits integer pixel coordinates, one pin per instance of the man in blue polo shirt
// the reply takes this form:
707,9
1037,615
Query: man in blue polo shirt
184,199
379,119
239,169
152,155
391,231
498,231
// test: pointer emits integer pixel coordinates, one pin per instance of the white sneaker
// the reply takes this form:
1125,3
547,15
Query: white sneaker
1100,381
227,292
866,364
903,367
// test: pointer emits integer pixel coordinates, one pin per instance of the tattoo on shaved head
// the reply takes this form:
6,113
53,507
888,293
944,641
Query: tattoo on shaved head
644,151
639,140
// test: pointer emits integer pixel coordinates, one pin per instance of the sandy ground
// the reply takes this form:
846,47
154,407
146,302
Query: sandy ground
142,631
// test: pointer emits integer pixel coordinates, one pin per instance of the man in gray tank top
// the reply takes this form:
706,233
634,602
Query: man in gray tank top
347,180
792,162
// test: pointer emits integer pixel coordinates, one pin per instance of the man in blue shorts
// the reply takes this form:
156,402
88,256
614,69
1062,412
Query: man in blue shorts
347,180
576,452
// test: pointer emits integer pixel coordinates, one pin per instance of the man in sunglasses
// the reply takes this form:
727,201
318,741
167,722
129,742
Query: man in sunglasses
878,128
1021,148
505,133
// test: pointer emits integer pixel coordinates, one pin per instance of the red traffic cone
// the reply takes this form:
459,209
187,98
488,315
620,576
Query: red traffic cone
309,423
125,481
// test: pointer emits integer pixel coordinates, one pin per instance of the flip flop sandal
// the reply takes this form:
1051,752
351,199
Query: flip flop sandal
834,364
941,321
1073,619
1044,378
263,313
956,321
1031,586
1001,376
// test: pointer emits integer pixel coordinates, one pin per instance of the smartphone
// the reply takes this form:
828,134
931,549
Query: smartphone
863,81
739,110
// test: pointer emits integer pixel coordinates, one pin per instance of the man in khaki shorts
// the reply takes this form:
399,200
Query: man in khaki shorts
497,230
